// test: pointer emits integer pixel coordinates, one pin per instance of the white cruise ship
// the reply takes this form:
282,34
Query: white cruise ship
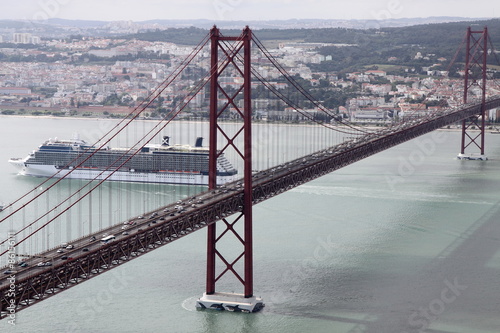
161,163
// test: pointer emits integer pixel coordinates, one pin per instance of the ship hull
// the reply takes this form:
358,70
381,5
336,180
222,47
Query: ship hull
178,164
183,178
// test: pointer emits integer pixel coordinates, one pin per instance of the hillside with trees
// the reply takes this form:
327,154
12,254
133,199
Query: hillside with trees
364,47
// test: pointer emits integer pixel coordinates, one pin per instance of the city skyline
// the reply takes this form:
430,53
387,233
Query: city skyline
227,10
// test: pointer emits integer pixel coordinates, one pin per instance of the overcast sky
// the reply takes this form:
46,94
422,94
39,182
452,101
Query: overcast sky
138,10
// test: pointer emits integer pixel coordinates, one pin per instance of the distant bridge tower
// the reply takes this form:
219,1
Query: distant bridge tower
236,60
475,87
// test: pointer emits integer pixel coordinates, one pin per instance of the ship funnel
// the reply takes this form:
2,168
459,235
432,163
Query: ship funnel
199,142
165,141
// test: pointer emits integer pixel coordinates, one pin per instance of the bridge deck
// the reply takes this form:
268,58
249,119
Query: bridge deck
90,256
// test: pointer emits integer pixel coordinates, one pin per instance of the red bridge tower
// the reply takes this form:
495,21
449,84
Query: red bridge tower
475,87
236,60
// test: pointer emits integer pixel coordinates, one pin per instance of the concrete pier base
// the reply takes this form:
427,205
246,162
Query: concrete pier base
478,157
230,302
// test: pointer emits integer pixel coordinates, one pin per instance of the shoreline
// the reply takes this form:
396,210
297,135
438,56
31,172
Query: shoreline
488,129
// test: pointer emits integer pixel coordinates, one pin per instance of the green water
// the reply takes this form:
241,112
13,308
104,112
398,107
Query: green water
407,240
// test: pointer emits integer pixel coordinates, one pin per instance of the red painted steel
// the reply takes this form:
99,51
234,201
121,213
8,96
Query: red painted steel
34,287
475,61
38,285
247,203
212,165
230,50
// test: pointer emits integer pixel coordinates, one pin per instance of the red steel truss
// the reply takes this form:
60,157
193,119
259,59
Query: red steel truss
236,58
475,82
43,283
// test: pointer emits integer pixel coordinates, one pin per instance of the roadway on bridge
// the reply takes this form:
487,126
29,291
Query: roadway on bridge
266,184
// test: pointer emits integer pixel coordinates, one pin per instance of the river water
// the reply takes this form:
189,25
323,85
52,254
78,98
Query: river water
407,240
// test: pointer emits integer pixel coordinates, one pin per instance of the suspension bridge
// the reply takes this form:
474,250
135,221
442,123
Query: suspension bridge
36,269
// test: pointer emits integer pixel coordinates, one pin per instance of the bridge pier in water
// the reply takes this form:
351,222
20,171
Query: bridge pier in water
231,47
475,80
230,205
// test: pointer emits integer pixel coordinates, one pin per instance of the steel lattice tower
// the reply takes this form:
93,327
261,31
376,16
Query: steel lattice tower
236,57
475,86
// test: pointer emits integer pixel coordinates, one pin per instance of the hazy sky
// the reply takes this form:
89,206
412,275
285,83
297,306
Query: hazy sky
137,10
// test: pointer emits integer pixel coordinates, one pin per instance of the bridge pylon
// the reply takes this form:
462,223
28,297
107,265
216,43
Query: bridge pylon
224,103
475,87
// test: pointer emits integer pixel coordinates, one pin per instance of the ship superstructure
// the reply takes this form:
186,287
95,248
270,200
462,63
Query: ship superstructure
161,163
